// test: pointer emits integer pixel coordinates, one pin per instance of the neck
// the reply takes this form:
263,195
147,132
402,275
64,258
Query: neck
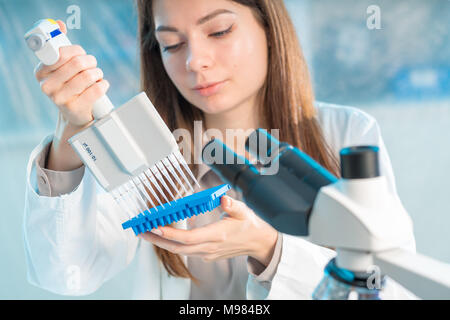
243,117
235,124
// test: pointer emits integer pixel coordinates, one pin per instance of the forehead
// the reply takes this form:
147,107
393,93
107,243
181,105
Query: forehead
178,12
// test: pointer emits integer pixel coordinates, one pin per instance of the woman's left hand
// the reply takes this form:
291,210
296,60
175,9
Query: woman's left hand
241,232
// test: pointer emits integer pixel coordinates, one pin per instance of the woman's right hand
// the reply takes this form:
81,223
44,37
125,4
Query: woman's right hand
74,83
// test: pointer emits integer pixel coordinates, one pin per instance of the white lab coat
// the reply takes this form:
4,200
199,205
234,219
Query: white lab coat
75,242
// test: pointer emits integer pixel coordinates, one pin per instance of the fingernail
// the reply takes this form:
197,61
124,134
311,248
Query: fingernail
227,202
157,232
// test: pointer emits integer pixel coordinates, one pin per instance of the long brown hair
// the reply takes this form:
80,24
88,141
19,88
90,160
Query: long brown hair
287,97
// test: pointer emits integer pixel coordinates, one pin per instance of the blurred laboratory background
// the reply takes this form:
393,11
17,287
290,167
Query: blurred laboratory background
388,58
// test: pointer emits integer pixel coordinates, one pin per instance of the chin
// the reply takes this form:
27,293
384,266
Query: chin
214,109
213,106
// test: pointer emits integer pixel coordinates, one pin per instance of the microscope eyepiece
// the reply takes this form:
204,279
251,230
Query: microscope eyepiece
227,164
262,145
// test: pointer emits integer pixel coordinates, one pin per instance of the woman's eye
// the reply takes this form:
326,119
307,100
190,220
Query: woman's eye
222,33
216,34
171,48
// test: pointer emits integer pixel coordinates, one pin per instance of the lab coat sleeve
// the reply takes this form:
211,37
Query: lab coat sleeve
73,242
298,273
368,133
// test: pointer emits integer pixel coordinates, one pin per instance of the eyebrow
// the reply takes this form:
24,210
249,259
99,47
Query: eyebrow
199,22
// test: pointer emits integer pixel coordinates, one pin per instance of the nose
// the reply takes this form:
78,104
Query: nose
198,58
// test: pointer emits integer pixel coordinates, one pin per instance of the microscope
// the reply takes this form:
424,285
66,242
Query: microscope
356,214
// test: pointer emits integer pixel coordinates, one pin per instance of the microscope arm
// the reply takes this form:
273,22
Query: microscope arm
425,277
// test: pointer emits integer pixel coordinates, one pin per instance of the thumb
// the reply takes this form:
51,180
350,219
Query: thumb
62,26
235,208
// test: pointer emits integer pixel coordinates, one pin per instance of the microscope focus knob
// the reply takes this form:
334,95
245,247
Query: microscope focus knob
359,162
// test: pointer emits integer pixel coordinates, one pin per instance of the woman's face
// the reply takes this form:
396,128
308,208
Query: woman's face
214,51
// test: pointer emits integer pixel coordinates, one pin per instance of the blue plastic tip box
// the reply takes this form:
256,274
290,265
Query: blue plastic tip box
180,209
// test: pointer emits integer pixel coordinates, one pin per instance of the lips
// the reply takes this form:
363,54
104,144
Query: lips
208,89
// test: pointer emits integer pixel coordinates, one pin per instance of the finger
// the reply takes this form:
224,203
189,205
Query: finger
58,78
180,248
234,208
62,26
69,70
209,233
93,93
65,54
78,85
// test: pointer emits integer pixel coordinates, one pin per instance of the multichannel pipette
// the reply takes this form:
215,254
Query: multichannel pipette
129,150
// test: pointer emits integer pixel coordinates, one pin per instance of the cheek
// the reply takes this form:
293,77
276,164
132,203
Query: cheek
175,69
247,59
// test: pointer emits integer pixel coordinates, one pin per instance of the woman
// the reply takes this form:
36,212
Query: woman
232,65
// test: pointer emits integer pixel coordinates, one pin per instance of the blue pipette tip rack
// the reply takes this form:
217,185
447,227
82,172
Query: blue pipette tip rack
192,205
